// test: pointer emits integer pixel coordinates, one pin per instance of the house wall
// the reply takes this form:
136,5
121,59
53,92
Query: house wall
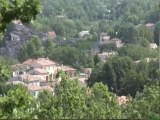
51,70
36,83
15,73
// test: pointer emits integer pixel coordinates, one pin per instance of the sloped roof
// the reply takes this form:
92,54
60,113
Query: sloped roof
41,61
47,88
28,62
18,67
34,87
51,34
67,68
45,62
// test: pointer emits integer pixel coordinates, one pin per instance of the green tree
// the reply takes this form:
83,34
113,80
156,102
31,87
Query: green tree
45,110
49,47
24,10
137,52
123,76
70,100
96,59
32,49
23,55
157,32
145,33
127,33
145,105
16,104
5,74
38,52
59,28
97,74
5,71
102,104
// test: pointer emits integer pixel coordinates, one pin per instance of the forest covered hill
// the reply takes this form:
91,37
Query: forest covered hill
69,17
123,86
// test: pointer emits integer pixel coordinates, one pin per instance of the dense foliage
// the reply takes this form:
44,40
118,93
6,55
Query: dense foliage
74,102
129,73
24,10
75,56
123,76
69,17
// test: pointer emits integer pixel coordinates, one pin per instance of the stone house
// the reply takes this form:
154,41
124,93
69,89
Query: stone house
40,74
18,69
105,55
104,39
18,35
150,26
45,65
153,45
51,34
71,72
83,33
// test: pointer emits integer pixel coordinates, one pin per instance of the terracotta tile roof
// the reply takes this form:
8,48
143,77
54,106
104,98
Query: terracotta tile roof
66,68
28,62
51,34
83,79
41,61
45,62
150,26
34,87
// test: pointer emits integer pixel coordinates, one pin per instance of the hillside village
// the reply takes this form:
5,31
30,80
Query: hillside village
79,59
40,74
19,35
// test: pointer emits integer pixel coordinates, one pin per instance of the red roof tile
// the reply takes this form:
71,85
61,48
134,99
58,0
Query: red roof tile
51,34
28,62
33,87
66,68
45,62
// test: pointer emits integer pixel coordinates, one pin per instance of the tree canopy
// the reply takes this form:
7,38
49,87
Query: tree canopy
25,10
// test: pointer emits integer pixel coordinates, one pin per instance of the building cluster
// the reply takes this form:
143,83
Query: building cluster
105,55
18,35
40,74
105,40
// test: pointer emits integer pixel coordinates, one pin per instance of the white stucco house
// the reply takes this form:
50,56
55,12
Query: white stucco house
153,45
